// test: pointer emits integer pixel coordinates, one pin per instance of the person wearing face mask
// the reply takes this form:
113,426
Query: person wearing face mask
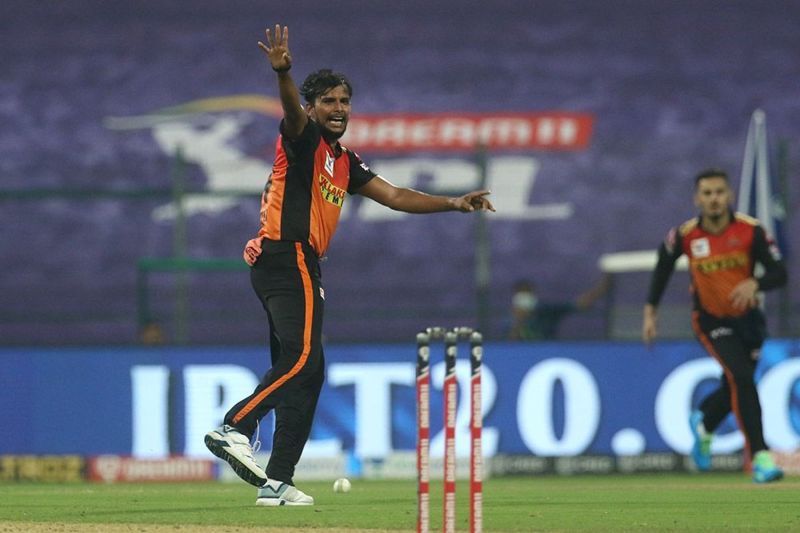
536,320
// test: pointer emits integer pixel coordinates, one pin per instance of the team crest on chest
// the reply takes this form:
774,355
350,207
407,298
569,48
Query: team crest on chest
700,247
329,164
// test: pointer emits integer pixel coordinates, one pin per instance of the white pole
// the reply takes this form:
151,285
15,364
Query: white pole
746,181
763,185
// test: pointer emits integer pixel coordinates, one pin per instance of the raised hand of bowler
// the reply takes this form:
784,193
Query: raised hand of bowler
277,48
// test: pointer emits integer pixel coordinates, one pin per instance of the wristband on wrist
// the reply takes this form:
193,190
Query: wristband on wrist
284,69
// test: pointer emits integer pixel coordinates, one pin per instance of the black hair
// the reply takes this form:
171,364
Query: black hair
319,82
710,173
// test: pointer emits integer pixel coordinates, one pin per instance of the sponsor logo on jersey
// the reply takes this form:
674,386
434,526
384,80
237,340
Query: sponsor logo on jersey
330,192
721,332
724,262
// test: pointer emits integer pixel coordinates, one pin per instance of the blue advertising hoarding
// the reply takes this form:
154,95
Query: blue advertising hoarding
549,399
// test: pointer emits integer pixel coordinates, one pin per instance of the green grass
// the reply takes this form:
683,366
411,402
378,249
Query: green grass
714,502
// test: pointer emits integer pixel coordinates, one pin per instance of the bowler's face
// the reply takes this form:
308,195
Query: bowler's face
713,197
332,111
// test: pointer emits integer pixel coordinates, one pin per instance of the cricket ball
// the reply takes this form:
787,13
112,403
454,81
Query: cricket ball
341,485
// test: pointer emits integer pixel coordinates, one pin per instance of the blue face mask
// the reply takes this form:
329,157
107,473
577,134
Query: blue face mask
524,301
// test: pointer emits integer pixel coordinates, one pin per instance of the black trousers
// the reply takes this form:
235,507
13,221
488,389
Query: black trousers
734,343
286,279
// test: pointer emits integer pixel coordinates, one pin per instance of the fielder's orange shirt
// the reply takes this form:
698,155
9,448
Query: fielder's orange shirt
717,262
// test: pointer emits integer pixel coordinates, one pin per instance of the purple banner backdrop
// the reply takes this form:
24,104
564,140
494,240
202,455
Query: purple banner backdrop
670,85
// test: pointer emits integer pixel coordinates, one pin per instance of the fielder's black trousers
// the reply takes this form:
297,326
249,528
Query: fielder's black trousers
286,279
734,343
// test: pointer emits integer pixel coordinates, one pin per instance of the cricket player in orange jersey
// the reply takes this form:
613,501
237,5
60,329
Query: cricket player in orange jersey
723,248
311,176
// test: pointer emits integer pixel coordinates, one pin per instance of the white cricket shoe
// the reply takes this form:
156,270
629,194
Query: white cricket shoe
228,444
275,493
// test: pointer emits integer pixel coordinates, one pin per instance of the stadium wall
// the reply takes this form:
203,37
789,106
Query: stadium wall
93,130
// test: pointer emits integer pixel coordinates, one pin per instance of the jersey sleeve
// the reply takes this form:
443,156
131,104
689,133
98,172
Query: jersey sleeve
308,140
360,173
766,252
668,253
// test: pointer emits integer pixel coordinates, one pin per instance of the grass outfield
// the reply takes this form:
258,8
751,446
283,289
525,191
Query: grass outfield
717,502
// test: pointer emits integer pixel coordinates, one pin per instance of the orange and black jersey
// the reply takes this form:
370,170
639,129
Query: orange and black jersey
718,262
307,188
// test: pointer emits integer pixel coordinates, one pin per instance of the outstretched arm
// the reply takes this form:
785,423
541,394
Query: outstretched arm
277,51
668,253
588,298
411,201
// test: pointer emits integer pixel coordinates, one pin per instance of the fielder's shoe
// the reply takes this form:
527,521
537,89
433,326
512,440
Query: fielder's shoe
228,444
764,468
701,449
275,493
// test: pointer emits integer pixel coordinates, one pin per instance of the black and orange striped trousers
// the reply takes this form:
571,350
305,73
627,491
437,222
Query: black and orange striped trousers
286,279
735,343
